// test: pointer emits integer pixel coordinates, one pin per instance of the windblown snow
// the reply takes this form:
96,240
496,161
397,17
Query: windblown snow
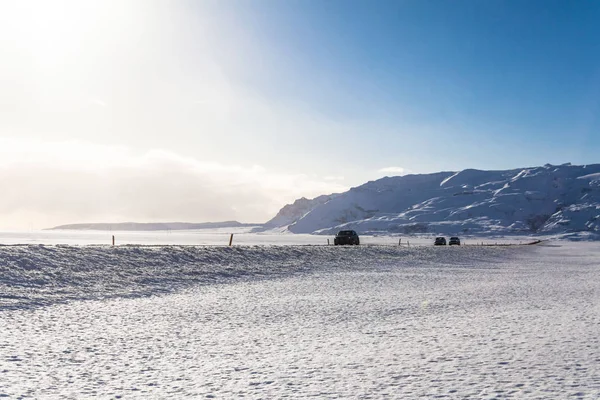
542,200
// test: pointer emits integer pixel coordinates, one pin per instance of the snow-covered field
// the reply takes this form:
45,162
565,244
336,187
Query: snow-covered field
300,321
213,237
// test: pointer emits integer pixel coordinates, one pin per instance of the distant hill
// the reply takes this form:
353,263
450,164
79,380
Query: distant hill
552,199
151,226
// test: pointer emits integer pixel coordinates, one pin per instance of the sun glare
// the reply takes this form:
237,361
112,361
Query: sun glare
54,33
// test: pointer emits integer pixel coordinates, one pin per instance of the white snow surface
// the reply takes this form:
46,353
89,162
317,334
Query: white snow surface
300,321
207,237
220,237
468,202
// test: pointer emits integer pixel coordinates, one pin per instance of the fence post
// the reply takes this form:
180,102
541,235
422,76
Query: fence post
400,242
231,239
113,240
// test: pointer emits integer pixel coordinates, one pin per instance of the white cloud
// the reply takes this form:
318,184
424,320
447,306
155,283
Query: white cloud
50,183
98,102
333,178
394,170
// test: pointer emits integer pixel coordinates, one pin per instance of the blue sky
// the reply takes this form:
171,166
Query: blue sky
514,82
212,110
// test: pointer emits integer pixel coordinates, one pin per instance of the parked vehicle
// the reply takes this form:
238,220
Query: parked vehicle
454,241
346,237
440,241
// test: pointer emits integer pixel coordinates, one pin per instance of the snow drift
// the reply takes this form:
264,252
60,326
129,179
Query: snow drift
42,275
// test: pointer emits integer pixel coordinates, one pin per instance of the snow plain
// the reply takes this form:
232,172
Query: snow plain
300,321
215,237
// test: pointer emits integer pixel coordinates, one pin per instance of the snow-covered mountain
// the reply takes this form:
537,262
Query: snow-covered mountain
544,200
290,213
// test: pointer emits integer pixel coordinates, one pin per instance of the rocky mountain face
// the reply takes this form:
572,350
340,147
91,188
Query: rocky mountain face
544,200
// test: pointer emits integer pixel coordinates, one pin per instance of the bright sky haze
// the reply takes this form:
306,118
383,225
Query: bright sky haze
218,110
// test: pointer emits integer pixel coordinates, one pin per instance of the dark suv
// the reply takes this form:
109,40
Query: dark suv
454,241
440,241
346,237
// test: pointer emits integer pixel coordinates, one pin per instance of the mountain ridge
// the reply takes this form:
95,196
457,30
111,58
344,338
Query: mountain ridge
549,199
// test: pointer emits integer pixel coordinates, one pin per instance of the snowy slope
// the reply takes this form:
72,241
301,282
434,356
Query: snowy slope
549,199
